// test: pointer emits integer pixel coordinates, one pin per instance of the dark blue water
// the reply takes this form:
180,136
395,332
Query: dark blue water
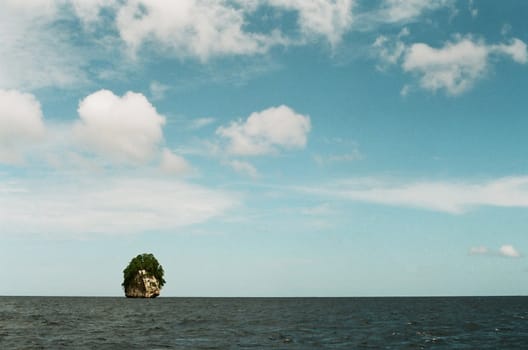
264,323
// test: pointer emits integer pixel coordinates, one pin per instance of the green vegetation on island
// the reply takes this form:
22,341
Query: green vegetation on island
143,264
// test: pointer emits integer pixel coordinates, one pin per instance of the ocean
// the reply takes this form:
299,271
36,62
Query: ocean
264,323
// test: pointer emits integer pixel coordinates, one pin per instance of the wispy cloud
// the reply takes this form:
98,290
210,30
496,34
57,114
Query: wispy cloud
318,210
398,12
351,156
117,205
506,250
245,168
480,250
453,197
158,90
34,53
174,164
201,122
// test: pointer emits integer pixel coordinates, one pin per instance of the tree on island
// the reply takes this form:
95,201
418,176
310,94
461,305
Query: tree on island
140,266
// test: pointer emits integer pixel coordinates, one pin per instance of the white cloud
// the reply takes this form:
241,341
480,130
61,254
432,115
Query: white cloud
21,125
472,9
480,250
506,250
174,164
405,90
389,52
265,131
112,205
319,210
448,197
158,90
454,67
33,53
201,122
506,29
126,129
245,168
352,156
210,28
328,18
457,65
393,11
197,28
516,49
89,11
33,9
509,251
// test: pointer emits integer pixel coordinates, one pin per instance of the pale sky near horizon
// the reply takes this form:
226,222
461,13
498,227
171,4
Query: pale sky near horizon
265,147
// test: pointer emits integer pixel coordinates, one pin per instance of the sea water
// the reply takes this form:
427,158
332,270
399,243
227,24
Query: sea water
264,323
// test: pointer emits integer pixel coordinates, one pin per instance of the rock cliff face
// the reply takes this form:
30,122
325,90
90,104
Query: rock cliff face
143,286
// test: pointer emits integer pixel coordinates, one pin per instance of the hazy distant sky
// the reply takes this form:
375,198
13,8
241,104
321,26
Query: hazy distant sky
265,147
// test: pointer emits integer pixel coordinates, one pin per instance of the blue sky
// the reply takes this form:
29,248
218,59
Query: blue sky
264,147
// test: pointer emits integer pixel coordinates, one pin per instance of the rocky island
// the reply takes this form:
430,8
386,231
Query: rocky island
143,277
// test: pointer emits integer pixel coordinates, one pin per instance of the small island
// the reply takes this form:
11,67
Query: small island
143,277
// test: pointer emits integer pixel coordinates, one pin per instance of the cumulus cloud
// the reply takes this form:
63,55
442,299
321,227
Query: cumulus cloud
449,197
110,205
126,129
267,131
210,28
189,27
455,67
509,251
172,163
330,19
245,168
516,49
21,124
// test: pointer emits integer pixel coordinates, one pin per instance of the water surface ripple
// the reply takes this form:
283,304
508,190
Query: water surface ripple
264,323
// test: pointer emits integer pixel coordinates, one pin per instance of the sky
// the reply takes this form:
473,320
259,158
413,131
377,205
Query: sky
265,147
